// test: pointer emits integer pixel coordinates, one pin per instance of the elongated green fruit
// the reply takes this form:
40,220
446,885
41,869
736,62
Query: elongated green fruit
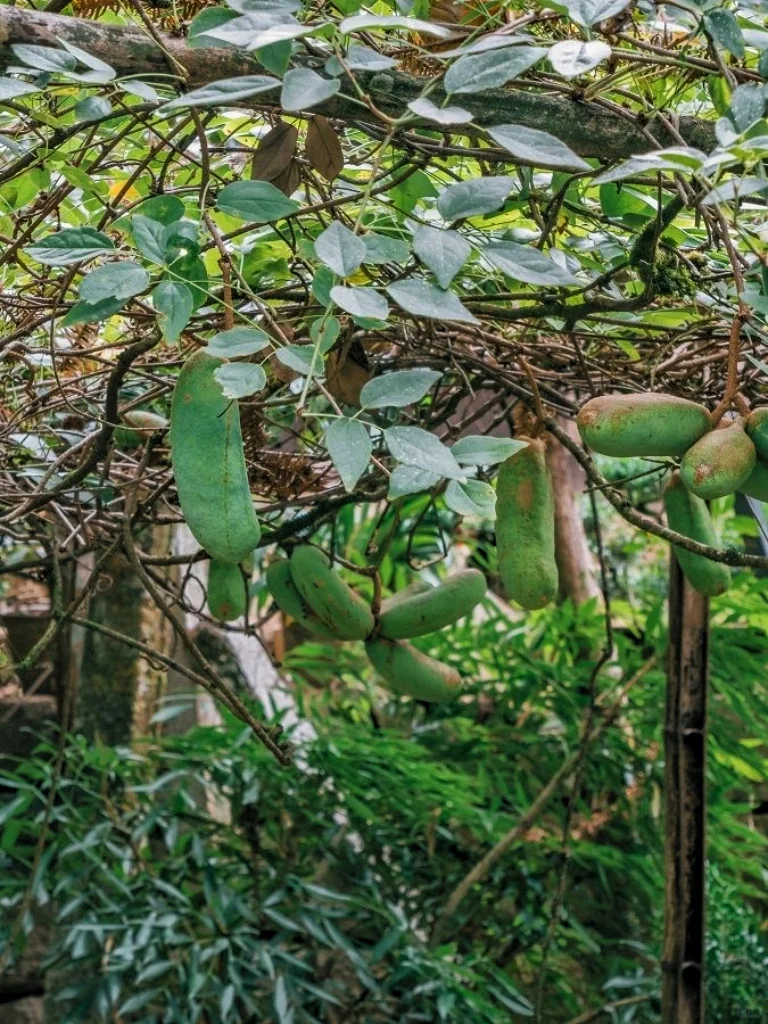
641,425
288,599
756,484
719,463
329,597
689,515
411,673
525,527
209,464
435,608
416,587
757,428
226,591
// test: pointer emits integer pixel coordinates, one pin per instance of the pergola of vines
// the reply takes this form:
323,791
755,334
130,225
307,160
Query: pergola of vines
527,206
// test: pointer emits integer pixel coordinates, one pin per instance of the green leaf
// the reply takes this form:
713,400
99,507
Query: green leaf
747,105
681,159
340,249
362,58
45,58
227,91
573,57
276,57
322,283
383,249
166,209
475,197
93,108
239,380
361,302
149,238
210,17
10,89
416,447
301,359
410,480
735,188
325,332
282,1003
71,245
191,270
536,147
444,252
471,498
529,265
349,447
173,300
428,110
258,201
398,389
724,29
419,298
92,312
392,21
99,72
589,12
237,342
481,71
141,89
478,450
120,280
304,88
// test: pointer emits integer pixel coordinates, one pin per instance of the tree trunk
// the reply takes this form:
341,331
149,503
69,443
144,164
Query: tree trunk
685,781
118,688
574,559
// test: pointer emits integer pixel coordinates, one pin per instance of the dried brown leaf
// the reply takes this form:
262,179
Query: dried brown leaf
323,148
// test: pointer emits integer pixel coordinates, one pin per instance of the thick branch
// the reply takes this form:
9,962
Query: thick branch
589,129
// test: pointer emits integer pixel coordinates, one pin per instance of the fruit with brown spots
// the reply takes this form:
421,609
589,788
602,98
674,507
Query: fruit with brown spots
525,527
411,673
720,462
641,424
227,594
288,599
433,608
209,463
336,605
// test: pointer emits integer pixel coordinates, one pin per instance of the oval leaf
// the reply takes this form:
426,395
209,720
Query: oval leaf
398,389
349,447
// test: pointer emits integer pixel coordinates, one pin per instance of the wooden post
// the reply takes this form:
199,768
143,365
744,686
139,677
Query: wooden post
685,784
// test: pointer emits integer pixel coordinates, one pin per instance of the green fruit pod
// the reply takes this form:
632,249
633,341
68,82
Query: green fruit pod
410,673
719,463
416,587
756,484
757,428
434,608
227,594
209,464
335,604
288,599
689,515
525,527
641,424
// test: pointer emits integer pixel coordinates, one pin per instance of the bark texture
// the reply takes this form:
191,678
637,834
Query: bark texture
685,802
574,559
589,129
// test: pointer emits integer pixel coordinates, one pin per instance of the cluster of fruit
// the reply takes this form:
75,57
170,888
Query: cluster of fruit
714,462
309,589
